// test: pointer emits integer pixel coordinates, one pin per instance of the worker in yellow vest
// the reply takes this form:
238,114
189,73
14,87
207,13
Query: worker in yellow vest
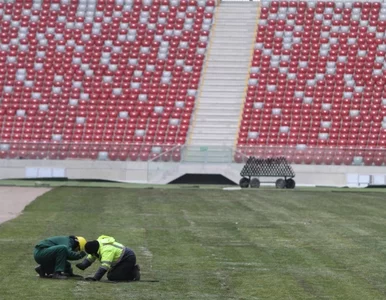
118,261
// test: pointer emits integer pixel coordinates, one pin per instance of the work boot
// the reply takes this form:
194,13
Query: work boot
58,275
137,276
70,273
40,271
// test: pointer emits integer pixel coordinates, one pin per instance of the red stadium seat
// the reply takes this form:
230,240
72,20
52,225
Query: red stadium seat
101,89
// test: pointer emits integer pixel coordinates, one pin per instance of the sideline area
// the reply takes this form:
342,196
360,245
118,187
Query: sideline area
14,199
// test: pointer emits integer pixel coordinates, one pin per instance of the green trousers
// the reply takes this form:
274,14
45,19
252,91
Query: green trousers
53,259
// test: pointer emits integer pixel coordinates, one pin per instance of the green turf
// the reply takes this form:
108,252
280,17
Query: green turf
210,244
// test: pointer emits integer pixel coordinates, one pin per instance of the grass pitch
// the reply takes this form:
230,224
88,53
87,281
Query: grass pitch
209,244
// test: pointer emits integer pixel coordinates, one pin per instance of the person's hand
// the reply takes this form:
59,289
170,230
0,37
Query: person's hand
90,278
83,254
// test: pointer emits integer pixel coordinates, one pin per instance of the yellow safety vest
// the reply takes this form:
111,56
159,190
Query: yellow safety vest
110,252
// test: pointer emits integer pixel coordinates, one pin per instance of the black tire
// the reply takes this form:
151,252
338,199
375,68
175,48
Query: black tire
290,183
244,182
255,183
280,183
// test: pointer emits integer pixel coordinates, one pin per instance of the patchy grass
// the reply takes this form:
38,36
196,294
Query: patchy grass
209,243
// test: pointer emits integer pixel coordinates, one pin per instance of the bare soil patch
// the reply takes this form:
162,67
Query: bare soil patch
14,199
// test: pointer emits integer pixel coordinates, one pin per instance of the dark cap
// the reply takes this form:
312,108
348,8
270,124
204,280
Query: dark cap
92,247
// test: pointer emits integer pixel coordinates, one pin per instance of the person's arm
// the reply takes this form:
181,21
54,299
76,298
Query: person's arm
88,261
106,261
72,255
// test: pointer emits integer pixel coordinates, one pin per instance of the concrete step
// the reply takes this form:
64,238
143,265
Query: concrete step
235,35
235,88
226,42
236,17
213,121
243,4
229,59
217,137
228,65
225,79
217,114
232,40
211,130
244,58
220,101
240,53
203,125
240,94
225,73
230,52
223,106
208,94
220,95
232,30
238,10
250,23
212,142
235,82
226,70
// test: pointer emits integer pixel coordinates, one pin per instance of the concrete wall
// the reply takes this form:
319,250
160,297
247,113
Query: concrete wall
161,173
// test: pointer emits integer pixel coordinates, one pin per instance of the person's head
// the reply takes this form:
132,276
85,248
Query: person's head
79,243
92,247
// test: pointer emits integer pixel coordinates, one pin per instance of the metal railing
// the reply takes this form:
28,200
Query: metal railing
86,150
155,152
328,155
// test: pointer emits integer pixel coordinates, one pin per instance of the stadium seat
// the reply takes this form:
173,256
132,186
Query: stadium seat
325,65
99,79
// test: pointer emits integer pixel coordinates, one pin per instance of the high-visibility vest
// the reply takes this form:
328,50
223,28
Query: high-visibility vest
110,252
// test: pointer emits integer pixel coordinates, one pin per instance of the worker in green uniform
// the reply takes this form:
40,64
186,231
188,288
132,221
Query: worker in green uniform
53,253
118,261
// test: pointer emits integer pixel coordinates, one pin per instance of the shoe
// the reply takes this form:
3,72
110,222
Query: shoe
137,276
71,274
40,271
58,275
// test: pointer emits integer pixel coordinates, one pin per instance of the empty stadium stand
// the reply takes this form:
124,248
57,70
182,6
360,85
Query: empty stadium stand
106,79
316,92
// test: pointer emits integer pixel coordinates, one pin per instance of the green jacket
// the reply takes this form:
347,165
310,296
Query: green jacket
110,252
61,240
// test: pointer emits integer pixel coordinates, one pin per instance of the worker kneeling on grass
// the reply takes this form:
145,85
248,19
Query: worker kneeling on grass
53,253
117,260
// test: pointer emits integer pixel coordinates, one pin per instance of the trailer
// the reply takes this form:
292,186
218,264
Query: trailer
267,167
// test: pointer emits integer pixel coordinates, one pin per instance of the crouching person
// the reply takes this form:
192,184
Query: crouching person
53,253
118,261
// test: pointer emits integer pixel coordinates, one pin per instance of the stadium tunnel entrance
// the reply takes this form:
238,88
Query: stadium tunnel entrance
213,179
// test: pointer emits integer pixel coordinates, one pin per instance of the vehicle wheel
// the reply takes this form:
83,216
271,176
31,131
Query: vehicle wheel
244,182
255,183
280,183
290,183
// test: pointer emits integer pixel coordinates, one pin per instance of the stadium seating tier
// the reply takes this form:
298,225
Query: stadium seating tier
317,83
94,75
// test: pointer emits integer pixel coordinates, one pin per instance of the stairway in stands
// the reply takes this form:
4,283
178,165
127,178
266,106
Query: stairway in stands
222,91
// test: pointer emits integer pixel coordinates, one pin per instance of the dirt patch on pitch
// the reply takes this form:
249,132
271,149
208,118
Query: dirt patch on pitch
14,199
